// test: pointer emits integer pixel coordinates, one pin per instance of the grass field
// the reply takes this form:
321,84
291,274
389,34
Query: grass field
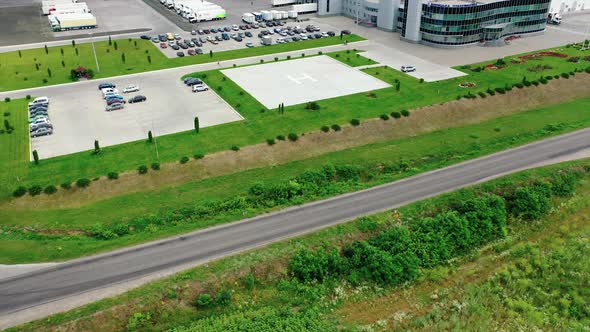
261,291
428,151
14,151
29,68
353,59
262,124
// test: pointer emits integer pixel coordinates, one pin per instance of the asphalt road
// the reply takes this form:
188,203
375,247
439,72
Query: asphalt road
30,291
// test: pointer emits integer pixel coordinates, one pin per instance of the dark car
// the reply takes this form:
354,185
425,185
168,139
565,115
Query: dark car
180,54
199,51
218,38
162,38
207,31
227,29
346,32
192,81
191,52
331,33
248,34
318,35
296,38
260,35
106,85
137,99
195,40
175,47
238,39
146,37
115,101
183,46
213,30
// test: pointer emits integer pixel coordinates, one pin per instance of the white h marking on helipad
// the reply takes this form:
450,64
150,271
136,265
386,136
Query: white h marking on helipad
303,76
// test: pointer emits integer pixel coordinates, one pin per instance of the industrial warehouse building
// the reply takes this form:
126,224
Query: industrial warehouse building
446,23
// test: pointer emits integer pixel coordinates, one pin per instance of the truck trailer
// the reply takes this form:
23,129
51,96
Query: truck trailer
48,5
554,18
277,3
72,22
266,15
249,18
208,15
71,8
257,16
305,8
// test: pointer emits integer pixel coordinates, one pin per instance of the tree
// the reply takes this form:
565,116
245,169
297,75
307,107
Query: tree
36,157
123,57
115,45
196,124
76,49
61,50
46,50
49,72
96,147
110,41
20,55
210,53
73,43
397,86
150,138
530,202
149,58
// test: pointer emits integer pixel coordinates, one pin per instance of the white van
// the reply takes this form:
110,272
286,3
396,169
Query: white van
39,101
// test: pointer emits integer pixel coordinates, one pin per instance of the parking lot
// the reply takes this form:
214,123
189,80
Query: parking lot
79,116
302,80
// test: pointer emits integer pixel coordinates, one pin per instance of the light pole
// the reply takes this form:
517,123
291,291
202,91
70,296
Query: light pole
94,51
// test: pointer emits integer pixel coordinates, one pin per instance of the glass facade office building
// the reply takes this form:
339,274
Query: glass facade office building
462,24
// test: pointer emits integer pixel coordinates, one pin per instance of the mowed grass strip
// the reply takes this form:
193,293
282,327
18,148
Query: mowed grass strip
432,150
353,58
36,67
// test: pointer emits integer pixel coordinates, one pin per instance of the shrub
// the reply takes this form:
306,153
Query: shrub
336,127
355,122
482,94
155,166
325,129
270,141
535,83
519,85
384,117
66,185
405,113
199,156
28,97
204,301
142,169
564,184
7,99
312,106
530,202
112,175
83,183
223,297
292,137
281,137
35,190
421,80
184,160
491,92
307,266
396,115
19,192
50,189
500,90
276,58
235,148
527,83
565,75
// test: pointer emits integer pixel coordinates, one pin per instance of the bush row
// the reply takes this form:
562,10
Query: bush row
396,255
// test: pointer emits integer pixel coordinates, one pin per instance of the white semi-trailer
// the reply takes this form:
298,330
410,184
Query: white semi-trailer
72,8
306,8
72,22
292,14
266,15
208,15
276,3
48,5
257,16
249,18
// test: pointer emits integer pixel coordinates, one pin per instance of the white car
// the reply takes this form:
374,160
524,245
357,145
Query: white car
131,88
303,36
408,69
200,88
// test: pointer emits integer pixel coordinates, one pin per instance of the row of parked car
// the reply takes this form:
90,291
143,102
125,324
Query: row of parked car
196,84
39,123
114,100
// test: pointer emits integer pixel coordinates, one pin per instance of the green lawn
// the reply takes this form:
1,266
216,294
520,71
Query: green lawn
352,58
29,68
428,151
261,123
14,146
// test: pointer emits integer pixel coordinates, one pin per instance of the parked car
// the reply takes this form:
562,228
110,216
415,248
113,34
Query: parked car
199,51
346,32
191,52
206,31
177,36
131,88
106,86
163,45
213,30
191,43
38,108
408,69
248,44
331,33
137,99
248,34
116,96
39,101
113,107
38,118
42,132
192,81
200,32
226,29
180,54
162,38
38,113
193,32
115,101
200,88
169,36
146,37
175,47
218,38
36,125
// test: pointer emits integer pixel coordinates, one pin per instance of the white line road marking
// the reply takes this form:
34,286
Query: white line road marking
303,76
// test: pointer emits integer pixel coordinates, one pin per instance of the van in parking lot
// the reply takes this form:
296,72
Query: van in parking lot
39,101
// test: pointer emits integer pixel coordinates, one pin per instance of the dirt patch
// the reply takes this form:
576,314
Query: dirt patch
426,119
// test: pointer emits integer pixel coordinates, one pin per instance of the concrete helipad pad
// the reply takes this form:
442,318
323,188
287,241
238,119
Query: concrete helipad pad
302,80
